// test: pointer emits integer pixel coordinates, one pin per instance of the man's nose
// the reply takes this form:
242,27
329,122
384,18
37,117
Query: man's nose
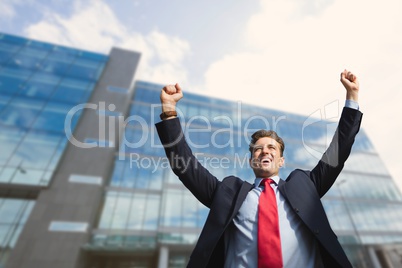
265,149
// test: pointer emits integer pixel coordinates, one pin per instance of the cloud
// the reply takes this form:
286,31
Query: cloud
93,26
292,60
7,8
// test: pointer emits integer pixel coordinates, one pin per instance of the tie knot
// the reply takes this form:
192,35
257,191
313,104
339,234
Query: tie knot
267,181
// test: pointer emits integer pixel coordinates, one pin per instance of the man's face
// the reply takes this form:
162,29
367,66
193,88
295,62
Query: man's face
266,158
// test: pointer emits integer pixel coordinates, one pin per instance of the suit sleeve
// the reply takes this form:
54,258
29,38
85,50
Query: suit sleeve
192,174
332,162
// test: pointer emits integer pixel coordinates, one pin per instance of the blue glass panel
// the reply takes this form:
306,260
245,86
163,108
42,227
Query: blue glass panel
61,50
85,69
12,80
10,85
9,47
15,73
4,56
33,44
62,57
68,226
46,78
138,207
9,140
21,112
33,52
22,175
172,210
10,210
69,94
36,151
151,217
3,102
13,39
156,173
107,211
23,61
93,56
37,89
120,214
146,95
55,66
52,117
190,210
57,153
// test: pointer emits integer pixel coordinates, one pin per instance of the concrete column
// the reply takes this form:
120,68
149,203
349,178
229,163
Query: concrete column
163,260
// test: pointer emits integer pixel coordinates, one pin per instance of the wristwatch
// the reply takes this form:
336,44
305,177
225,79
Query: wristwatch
167,114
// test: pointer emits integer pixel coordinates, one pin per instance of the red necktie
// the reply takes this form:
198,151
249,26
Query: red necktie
269,241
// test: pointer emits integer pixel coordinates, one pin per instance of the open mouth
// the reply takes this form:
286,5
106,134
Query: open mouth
265,161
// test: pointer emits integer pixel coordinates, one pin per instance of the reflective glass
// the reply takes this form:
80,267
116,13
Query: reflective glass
13,215
9,140
65,57
120,213
55,66
172,214
85,69
37,89
151,216
21,112
32,51
51,118
72,91
24,61
107,211
36,150
136,212
190,210
67,226
4,57
8,47
10,83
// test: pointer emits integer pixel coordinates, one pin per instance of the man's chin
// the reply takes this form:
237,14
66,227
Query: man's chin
264,173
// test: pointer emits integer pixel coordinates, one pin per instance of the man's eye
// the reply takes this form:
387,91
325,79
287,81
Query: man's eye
257,148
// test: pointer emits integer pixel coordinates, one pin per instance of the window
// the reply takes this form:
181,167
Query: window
86,179
68,226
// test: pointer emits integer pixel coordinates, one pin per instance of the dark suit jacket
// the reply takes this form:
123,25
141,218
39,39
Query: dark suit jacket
302,189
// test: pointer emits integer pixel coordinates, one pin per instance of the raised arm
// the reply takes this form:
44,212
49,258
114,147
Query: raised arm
332,162
192,174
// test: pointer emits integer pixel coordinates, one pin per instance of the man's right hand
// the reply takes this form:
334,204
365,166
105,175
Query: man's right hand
351,84
170,95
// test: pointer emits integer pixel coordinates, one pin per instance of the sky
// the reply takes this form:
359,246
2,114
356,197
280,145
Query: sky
280,54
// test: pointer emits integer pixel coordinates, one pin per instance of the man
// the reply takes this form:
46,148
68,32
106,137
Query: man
231,234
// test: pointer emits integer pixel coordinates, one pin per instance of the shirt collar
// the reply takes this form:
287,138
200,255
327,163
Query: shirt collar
257,181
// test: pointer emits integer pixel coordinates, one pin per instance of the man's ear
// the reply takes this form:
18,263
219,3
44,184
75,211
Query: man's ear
250,162
282,161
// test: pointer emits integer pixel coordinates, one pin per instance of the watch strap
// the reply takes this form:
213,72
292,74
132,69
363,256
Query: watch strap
167,114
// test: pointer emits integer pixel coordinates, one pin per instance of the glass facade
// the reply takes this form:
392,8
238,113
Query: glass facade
144,206
39,84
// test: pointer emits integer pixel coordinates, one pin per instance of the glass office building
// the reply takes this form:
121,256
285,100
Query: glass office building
84,181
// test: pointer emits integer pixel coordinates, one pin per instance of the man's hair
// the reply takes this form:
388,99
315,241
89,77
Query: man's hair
266,133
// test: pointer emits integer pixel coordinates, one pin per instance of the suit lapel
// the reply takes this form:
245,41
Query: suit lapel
281,187
244,189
